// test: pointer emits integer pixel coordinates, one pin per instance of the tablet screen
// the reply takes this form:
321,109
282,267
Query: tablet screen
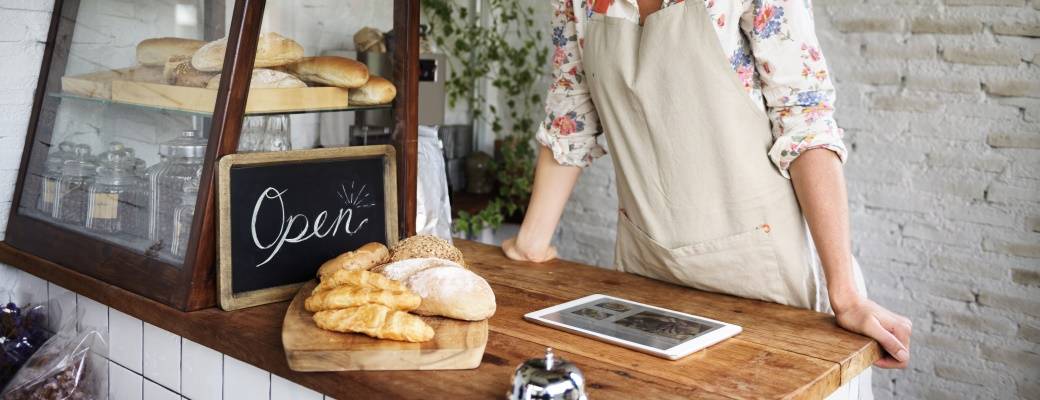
633,322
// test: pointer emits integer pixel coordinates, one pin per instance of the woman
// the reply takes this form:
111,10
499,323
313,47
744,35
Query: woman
719,119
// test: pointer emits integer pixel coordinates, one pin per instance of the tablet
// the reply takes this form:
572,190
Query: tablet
641,327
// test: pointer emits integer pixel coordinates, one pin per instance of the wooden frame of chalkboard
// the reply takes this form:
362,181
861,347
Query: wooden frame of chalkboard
318,204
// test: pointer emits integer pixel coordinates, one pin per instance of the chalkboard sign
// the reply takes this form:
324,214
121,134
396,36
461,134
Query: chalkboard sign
283,214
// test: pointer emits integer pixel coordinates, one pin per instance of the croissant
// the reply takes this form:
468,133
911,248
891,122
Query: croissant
358,278
375,320
353,296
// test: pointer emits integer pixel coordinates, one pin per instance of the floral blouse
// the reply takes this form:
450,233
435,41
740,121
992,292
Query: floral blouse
771,45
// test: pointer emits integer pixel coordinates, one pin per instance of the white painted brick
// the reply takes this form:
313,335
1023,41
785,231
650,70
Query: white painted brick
982,56
970,375
1006,193
978,321
1018,359
1016,300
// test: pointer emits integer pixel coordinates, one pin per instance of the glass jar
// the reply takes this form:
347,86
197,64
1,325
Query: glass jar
253,132
77,174
183,215
112,203
49,179
277,138
181,157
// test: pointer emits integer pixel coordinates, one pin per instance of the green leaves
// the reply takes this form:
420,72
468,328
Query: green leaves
506,50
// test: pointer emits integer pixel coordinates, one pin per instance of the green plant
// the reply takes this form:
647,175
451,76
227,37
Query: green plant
507,51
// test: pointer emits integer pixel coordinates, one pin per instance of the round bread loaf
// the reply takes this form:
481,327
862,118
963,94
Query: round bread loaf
330,71
376,91
446,288
426,246
272,50
265,79
365,257
155,52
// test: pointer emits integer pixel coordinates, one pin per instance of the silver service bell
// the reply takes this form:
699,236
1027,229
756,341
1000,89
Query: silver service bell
548,378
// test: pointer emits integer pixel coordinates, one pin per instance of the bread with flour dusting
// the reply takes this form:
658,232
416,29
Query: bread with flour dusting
447,289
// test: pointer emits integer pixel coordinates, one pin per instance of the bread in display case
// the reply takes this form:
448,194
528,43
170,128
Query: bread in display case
137,101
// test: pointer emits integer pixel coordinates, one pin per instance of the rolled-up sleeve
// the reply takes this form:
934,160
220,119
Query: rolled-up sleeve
571,125
796,82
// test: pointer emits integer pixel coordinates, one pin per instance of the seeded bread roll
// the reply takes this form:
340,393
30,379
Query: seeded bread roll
330,71
376,91
155,52
426,246
272,50
366,257
178,71
265,79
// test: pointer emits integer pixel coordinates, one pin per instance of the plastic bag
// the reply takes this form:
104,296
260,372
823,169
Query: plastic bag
22,331
68,366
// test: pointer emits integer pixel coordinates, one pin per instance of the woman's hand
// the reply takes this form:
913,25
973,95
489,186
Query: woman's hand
891,330
520,253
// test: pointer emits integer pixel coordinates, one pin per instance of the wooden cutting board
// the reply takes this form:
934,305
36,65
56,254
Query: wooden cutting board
455,345
202,100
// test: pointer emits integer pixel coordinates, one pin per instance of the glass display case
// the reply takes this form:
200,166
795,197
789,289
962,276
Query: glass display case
138,99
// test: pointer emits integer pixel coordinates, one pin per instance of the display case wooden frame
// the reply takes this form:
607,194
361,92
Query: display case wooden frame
192,286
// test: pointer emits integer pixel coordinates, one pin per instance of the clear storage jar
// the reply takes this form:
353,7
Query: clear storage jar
77,175
183,215
51,173
113,204
181,157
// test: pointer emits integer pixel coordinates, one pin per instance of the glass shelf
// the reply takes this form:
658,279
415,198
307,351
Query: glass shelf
63,95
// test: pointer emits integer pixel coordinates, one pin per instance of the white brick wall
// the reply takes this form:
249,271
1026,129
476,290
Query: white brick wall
941,104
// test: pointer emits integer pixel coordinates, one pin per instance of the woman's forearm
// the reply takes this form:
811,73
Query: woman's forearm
553,184
819,183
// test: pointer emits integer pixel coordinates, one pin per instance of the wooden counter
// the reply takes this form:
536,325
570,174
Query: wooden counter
783,352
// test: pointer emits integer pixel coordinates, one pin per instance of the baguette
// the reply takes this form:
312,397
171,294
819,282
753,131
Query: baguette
330,71
377,321
262,78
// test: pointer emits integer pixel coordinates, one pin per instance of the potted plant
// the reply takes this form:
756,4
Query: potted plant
504,48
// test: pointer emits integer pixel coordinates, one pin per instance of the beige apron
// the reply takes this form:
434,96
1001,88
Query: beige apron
700,202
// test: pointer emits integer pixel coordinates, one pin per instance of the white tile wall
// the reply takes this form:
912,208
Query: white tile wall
244,381
126,333
152,391
145,362
162,357
124,384
202,370
62,303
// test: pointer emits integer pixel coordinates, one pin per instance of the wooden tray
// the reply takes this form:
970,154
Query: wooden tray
456,345
99,84
202,100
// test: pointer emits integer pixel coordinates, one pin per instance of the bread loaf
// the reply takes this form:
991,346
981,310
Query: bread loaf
376,91
155,52
178,71
330,71
263,78
365,257
446,288
353,296
426,246
377,321
272,50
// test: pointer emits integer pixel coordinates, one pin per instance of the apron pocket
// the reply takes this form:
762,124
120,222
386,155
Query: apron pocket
744,264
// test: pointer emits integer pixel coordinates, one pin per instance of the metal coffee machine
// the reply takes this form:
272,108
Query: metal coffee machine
548,378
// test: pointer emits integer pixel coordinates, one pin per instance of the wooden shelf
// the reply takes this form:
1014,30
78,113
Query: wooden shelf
76,97
783,352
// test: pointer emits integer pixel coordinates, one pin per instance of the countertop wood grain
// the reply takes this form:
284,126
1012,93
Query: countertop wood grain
783,352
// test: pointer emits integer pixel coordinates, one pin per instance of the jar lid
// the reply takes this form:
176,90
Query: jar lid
82,164
116,168
189,144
